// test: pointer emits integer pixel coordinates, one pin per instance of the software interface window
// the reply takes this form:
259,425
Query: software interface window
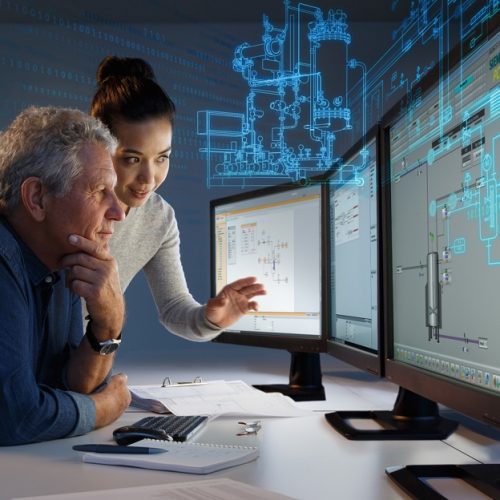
276,238
353,252
445,226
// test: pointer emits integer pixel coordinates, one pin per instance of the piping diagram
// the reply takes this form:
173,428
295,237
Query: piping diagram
292,116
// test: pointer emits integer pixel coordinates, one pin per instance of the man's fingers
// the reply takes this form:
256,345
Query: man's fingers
81,273
81,288
79,259
87,246
120,378
87,254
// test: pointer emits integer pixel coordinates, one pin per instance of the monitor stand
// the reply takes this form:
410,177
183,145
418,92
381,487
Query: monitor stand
413,478
305,379
413,417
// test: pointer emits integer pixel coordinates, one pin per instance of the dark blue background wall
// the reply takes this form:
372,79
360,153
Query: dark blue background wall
49,52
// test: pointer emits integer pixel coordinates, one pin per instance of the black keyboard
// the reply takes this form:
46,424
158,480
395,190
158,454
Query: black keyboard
179,428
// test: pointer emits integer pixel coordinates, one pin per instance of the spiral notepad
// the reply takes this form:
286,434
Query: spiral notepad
192,458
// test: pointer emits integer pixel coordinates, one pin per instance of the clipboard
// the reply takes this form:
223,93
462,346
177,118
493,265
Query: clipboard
213,398
167,382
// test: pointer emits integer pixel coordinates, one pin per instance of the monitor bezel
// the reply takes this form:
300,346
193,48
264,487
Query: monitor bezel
357,356
290,342
464,398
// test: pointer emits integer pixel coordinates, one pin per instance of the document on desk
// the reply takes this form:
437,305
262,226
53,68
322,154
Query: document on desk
217,397
215,489
190,457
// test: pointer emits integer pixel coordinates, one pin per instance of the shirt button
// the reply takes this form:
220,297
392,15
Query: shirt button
49,279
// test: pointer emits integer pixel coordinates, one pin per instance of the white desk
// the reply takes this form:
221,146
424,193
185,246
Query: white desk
300,457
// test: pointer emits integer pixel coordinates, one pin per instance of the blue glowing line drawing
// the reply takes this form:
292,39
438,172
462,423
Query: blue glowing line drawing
291,117
460,114
479,199
290,122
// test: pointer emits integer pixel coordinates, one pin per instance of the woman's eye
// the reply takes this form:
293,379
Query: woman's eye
164,158
131,159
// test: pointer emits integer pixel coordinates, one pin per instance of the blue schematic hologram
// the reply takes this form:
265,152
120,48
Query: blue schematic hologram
308,98
292,112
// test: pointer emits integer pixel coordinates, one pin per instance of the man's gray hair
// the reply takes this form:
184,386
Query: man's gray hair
45,142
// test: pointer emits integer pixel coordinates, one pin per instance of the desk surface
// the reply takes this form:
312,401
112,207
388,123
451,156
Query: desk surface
300,457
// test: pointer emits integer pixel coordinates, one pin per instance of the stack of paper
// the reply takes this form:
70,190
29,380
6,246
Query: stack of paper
215,489
216,397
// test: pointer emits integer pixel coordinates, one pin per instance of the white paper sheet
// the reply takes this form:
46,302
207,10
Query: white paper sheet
215,489
220,397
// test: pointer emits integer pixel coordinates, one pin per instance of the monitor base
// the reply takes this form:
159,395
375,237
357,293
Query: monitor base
483,477
305,379
413,417
296,393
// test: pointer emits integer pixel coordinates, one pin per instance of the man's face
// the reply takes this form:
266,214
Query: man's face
90,208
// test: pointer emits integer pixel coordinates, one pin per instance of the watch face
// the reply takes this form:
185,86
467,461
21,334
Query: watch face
103,348
108,347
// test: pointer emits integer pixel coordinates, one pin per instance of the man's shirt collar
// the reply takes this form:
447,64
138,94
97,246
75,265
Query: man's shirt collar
36,270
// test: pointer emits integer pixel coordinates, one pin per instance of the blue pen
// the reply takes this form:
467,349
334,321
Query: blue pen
112,448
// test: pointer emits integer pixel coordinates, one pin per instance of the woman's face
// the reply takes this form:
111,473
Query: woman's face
142,159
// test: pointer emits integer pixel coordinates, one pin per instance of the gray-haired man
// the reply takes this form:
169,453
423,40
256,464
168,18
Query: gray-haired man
57,210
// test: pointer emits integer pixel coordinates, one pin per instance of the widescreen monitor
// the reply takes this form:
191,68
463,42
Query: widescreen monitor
443,342
441,257
444,220
355,250
353,256
275,234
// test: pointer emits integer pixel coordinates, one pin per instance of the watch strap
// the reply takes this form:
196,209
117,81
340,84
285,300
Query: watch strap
97,345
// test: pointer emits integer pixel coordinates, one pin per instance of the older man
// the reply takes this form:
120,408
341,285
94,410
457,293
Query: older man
57,211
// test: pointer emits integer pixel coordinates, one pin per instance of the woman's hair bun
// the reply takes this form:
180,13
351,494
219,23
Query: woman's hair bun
123,67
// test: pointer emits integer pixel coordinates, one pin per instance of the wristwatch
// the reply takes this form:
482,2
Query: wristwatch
105,347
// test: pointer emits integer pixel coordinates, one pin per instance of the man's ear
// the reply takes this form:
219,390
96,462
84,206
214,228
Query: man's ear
33,197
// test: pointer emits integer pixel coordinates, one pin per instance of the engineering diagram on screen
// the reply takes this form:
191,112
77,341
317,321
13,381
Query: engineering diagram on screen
271,255
448,145
259,246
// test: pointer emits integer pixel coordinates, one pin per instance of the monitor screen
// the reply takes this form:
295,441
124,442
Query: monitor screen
353,193
445,225
440,254
274,234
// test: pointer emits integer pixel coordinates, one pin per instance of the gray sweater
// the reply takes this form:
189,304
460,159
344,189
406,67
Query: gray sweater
148,239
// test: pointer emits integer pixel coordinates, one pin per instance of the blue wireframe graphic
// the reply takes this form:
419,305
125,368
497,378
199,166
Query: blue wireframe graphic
479,200
305,92
291,119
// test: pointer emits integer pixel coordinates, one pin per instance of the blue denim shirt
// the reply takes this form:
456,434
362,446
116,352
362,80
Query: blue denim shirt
40,322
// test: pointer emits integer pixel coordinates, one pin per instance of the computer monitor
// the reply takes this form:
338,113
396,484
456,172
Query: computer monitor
275,234
441,258
444,221
354,333
443,344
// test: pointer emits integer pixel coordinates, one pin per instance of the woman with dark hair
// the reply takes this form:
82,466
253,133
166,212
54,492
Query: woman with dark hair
141,115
